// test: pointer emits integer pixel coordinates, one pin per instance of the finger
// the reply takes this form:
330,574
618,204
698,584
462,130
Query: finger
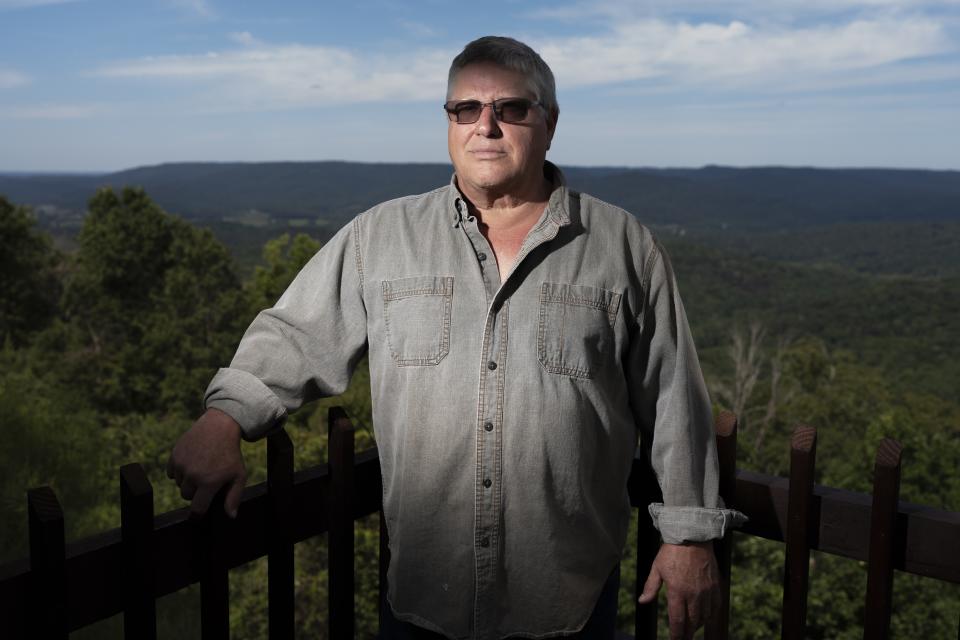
677,615
694,621
706,611
651,587
187,490
694,606
232,502
716,605
202,499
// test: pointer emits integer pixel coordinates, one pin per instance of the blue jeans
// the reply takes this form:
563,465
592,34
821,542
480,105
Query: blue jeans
601,625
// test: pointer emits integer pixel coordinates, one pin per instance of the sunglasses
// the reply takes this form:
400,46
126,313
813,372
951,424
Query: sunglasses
509,110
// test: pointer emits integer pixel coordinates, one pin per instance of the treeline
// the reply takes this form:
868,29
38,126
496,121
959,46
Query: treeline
107,350
106,354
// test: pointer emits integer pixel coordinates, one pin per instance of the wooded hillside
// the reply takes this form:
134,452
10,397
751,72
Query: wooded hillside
110,339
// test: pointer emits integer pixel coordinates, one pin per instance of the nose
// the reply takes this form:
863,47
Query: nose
487,124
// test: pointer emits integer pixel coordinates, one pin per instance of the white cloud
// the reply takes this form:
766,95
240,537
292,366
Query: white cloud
633,55
200,8
418,29
296,75
768,57
610,11
10,79
245,38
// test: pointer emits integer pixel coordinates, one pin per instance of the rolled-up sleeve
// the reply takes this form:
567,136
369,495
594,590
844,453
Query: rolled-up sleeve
305,347
670,400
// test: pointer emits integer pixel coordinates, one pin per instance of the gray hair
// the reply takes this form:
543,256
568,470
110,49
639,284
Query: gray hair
513,55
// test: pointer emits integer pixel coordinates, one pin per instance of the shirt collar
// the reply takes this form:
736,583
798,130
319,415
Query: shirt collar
558,209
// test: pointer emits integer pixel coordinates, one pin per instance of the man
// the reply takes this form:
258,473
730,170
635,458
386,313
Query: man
520,337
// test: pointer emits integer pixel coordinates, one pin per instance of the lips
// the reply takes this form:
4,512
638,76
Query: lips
482,154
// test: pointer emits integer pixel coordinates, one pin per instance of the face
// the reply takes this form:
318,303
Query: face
491,157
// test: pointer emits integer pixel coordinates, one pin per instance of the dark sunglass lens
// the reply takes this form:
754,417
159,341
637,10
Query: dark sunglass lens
514,110
467,112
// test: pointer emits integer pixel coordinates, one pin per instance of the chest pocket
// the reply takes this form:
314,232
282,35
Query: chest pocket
575,333
416,312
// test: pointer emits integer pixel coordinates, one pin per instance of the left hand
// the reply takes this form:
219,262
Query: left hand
693,586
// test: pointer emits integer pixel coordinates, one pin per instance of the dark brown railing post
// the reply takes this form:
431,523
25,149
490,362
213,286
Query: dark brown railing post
341,538
799,533
883,524
648,544
214,575
280,578
718,628
136,531
384,565
47,565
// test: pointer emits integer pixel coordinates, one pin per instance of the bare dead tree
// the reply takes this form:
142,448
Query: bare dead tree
745,353
779,395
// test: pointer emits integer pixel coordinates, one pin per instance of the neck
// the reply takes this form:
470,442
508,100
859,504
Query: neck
506,211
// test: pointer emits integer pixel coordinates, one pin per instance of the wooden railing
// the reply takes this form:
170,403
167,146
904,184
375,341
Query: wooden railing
61,588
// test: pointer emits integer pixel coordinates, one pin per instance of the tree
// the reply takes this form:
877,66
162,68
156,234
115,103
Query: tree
153,306
28,285
283,261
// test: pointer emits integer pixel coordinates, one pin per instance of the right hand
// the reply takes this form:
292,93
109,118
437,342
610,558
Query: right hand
207,458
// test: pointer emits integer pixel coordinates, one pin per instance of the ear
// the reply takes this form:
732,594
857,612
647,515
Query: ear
552,116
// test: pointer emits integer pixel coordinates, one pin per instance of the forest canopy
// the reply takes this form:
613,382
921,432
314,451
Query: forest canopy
108,347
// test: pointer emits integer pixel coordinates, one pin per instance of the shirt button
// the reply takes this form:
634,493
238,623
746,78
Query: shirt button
484,541
491,365
482,256
487,482
488,426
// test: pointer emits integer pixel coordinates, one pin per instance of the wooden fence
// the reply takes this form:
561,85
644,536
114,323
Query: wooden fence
61,588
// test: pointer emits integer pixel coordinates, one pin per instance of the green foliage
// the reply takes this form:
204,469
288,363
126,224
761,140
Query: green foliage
152,307
283,260
853,406
28,286
50,437
904,326
923,249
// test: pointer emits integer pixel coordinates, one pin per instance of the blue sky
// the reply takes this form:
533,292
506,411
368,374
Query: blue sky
92,85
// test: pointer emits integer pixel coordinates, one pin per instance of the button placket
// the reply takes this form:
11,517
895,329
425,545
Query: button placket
482,252
489,460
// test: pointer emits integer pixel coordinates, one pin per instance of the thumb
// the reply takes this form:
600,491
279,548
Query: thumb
651,587
232,501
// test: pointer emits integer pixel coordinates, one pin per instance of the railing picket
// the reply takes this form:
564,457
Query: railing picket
214,575
800,530
648,544
47,565
341,537
136,531
883,522
280,578
384,562
718,628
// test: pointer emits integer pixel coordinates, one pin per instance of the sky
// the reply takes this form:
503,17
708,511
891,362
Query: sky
103,85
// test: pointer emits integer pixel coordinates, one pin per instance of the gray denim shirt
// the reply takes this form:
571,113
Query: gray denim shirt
506,415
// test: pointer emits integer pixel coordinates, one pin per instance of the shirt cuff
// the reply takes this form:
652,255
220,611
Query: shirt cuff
693,524
243,397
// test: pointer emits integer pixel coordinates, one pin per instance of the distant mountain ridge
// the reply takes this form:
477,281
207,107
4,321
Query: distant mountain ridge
708,199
